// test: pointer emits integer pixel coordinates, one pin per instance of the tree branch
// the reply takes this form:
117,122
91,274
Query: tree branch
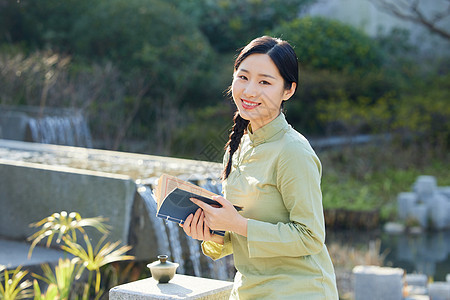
412,12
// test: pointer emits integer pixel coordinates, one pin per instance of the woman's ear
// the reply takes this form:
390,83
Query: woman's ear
289,92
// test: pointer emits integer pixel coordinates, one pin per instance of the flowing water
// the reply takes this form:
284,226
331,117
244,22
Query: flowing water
169,238
60,126
158,224
69,130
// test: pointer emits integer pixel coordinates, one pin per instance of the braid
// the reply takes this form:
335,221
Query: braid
238,130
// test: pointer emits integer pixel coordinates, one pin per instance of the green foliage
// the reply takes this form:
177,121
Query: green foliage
420,116
14,287
46,23
94,259
150,35
230,24
205,134
370,178
328,44
396,46
61,283
62,224
141,70
320,91
160,54
424,115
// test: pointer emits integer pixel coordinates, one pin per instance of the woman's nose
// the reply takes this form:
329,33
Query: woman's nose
251,90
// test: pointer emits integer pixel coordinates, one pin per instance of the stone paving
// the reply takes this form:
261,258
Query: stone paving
14,254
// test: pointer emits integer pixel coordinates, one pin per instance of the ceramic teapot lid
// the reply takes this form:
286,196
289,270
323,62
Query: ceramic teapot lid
163,263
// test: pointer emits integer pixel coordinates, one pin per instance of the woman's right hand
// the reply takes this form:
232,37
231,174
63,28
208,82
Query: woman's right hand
195,227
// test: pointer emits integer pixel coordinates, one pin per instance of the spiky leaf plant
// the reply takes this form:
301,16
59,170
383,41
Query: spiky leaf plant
94,259
59,282
63,224
14,287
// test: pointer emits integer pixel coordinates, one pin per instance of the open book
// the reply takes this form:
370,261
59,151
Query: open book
172,195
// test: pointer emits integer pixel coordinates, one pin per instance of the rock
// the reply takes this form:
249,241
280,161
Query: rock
373,283
416,279
405,202
439,290
425,186
394,228
420,214
439,211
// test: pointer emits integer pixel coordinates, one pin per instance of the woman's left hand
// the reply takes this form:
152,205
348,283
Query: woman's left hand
223,218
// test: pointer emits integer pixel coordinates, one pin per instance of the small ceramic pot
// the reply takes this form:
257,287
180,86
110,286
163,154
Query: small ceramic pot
162,270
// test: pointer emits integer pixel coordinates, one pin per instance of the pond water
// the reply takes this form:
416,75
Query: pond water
426,253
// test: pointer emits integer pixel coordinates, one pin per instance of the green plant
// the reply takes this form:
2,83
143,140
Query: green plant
66,227
14,287
230,24
322,43
62,224
94,259
59,283
370,177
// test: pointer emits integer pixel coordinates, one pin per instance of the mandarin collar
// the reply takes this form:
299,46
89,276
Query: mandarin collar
268,131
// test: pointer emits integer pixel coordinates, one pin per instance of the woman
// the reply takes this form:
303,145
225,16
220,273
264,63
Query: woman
270,169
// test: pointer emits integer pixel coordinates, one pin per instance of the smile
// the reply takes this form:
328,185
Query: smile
249,104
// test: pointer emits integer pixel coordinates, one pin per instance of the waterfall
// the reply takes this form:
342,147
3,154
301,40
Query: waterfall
194,255
169,239
158,224
218,268
177,250
167,233
67,129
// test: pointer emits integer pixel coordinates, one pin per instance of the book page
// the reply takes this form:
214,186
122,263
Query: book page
168,183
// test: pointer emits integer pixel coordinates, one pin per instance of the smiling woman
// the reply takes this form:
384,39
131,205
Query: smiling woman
277,240
258,90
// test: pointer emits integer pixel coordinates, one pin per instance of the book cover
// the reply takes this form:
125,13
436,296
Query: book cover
173,197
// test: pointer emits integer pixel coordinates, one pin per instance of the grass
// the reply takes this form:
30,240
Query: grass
370,177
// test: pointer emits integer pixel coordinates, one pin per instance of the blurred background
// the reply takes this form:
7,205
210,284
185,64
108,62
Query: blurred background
150,77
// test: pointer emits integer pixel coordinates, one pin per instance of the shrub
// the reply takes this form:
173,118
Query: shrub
148,35
41,24
328,44
230,24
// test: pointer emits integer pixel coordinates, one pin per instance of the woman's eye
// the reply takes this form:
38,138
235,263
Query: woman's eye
242,77
264,82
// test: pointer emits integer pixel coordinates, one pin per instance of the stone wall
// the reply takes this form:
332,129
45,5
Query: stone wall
30,192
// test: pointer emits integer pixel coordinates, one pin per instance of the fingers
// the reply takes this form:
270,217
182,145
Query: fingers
206,233
224,202
201,204
187,224
199,229
193,225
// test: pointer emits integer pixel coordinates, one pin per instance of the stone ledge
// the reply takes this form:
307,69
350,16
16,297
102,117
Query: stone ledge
180,287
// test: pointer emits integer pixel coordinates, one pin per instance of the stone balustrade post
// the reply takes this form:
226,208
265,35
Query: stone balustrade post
180,287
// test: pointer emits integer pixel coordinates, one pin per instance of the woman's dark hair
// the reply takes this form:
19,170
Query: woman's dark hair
284,58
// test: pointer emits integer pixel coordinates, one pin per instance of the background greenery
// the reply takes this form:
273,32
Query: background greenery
151,75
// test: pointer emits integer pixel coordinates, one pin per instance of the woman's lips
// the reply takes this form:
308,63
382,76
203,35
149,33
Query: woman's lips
246,104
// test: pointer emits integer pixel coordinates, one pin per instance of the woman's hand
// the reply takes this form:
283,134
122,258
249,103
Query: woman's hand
195,227
222,218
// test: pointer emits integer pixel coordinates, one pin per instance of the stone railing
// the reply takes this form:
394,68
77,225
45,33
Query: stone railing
180,287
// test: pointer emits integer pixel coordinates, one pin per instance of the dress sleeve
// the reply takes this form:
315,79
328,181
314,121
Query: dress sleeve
215,250
298,181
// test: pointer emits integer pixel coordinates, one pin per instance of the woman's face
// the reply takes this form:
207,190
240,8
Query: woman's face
258,90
